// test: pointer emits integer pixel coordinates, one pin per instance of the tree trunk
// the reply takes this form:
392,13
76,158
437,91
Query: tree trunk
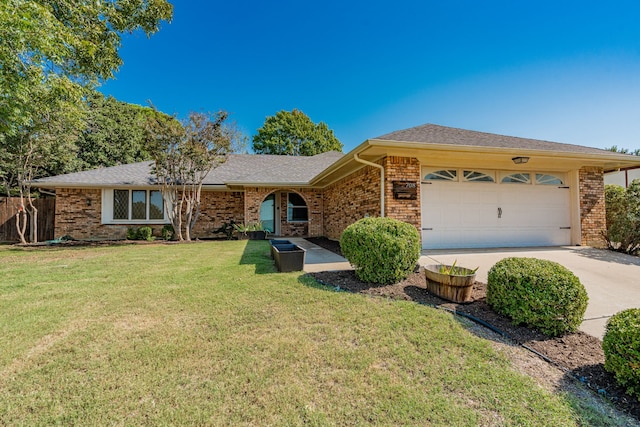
21,224
33,221
195,207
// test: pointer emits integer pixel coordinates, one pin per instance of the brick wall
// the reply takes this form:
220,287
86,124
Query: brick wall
350,199
216,208
358,195
78,213
402,169
77,218
592,208
253,198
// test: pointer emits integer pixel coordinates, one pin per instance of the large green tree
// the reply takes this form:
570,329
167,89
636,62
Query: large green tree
115,133
51,53
64,45
293,133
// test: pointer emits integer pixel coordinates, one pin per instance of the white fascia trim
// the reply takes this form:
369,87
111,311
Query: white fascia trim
271,184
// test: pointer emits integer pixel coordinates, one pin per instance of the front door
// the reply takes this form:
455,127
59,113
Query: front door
268,214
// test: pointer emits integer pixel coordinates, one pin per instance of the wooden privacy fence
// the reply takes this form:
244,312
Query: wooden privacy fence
46,219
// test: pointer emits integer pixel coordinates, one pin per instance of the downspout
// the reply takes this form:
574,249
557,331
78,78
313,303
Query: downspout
375,165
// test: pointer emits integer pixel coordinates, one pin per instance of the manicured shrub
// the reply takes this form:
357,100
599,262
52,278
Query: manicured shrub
145,233
142,233
538,293
132,233
167,232
382,250
621,345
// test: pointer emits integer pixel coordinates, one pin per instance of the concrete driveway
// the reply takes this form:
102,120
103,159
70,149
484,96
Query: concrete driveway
612,279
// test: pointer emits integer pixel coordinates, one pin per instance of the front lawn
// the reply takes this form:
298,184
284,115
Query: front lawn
209,333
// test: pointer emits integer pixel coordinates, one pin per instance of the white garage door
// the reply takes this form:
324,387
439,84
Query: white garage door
490,214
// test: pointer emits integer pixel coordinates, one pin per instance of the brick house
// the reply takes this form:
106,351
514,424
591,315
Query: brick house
460,188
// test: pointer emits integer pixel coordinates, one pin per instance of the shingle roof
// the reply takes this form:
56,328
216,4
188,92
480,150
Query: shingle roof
264,169
435,134
239,168
129,174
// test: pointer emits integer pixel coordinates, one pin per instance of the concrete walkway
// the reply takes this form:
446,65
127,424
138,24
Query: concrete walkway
319,259
612,279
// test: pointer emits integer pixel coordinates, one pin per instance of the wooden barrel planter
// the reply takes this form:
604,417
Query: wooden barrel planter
452,287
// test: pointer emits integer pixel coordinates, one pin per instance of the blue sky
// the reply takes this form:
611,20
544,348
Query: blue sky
566,71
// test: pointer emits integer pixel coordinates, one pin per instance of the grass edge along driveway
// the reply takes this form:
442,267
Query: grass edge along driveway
209,333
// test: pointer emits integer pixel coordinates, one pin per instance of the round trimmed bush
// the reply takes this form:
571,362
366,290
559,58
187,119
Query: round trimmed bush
382,250
538,293
621,345
167,232
145,233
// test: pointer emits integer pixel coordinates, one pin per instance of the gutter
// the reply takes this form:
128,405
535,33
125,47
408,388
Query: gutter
375,165
605,155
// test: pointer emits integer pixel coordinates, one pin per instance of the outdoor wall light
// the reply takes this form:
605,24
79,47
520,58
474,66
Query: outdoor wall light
88,201
520,160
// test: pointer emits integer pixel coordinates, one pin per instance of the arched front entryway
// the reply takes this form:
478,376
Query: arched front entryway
285,213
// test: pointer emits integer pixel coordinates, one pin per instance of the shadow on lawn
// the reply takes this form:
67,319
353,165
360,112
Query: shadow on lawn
256,252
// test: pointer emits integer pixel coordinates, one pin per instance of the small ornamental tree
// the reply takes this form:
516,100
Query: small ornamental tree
382,250
45,145
184,154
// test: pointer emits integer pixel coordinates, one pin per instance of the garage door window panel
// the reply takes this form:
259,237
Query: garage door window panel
478,176
442,175
516,178
547,179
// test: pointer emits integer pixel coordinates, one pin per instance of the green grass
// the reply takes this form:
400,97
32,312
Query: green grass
209,333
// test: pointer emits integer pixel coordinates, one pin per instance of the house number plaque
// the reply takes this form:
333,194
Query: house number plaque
407,190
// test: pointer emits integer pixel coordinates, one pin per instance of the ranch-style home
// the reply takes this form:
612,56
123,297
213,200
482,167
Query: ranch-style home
460,188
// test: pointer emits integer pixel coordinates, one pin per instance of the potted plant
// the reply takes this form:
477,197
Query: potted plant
450,282
256,231
251,231
242,230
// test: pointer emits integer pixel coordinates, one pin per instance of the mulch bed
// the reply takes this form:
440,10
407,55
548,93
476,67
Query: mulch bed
578,354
